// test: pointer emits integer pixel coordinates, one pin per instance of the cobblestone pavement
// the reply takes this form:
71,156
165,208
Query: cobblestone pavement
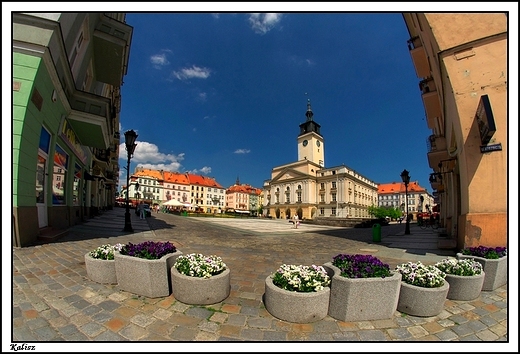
54,301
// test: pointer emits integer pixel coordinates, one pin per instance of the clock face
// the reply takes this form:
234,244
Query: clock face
305,143
317,143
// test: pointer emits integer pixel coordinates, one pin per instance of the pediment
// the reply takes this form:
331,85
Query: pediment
288,174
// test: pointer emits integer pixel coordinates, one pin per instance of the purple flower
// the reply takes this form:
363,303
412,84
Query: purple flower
361,266
148,249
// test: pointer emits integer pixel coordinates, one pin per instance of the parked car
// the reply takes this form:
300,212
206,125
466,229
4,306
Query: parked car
147,210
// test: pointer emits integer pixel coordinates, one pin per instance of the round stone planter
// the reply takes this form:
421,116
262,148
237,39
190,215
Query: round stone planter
292,306
422,302
146,277
495,269
101,270
200,291
362,299
464,287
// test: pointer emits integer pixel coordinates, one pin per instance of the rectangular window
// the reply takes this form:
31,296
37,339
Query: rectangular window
322,185
322,211
40,180
333,197
333,185
61,160
333,212
75,186
322,198
287,198
299,197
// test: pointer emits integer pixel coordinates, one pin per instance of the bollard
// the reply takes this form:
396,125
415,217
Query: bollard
376,233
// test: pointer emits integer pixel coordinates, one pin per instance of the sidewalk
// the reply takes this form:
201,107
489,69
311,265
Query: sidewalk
53,300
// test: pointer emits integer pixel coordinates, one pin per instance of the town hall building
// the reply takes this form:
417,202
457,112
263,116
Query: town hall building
311,190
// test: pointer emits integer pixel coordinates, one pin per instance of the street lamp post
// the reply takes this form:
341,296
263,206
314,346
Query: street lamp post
405,176
130,138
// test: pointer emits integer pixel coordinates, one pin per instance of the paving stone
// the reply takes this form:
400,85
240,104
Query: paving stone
372,335
68,329
462,330
199,312
399,333
46,333
345,337
487,335
446,335
256,322
272,336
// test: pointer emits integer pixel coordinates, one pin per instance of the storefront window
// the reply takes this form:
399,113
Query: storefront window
43,153
75,186
59,175
40,180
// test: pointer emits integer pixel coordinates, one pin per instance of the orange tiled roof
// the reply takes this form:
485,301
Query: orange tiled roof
149,173
244,188
203,181
398,187
175,177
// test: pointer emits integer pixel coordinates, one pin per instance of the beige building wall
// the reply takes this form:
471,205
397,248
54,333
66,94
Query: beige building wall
466,57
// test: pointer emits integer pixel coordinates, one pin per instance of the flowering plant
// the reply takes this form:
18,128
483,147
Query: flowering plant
300,278
199,265
105,252
148,249
465,267
361,266
426,276
486,252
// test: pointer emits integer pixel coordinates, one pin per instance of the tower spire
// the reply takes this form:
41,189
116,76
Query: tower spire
309,113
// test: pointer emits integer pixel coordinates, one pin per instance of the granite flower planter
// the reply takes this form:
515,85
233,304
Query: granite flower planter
464,287
200,291
101,270
146,277
495,270
297,307
362,299
422,302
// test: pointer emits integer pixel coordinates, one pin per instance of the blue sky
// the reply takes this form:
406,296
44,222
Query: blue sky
223,94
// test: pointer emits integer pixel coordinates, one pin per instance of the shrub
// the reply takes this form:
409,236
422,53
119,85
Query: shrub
465,267
426,276
301,278
198,265
148,249
361,266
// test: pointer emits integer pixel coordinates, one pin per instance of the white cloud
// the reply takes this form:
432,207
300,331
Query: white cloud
159,60
264,22
147,155
193,72
204,170
242,151
146,152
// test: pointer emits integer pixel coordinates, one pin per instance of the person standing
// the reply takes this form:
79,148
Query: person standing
141,210
296,221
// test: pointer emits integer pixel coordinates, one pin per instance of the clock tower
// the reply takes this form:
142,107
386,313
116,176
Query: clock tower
310,141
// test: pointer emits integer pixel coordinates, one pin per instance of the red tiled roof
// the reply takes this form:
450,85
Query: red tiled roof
398,187
175,177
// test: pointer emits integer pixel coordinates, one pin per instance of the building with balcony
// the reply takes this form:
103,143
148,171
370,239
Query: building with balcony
307,188
196,192
461,64
393,195
68,69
